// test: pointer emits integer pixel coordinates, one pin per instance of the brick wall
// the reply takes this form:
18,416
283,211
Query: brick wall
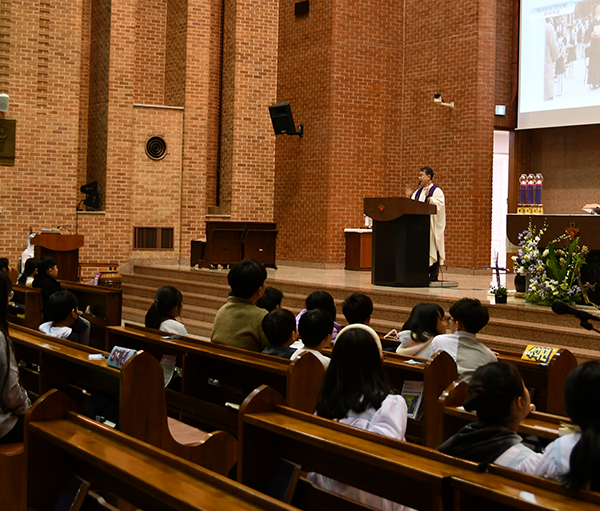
360,76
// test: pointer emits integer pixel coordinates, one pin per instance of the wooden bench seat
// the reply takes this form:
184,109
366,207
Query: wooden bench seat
213,375
399,471
454,416
139,386
60,442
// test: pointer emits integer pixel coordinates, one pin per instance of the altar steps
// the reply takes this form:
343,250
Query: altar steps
511,327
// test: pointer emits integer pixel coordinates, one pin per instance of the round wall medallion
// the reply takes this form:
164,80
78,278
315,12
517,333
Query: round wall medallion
156,148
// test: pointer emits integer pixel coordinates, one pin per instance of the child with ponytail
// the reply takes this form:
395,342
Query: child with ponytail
499,396
164,314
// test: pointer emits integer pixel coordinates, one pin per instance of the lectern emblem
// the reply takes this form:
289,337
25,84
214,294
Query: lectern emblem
381,206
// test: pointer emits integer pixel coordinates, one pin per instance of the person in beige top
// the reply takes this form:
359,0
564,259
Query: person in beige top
14,401
239,322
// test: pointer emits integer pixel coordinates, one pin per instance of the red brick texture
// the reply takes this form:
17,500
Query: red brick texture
87,80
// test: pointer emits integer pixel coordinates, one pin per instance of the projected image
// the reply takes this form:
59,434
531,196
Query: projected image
559,63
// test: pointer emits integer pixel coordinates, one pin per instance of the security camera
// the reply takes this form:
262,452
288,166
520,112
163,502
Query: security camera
437,98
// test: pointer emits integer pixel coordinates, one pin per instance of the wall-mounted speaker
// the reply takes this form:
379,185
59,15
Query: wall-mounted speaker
283,120
3,102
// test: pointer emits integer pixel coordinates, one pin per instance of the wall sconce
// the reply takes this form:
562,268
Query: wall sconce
437,98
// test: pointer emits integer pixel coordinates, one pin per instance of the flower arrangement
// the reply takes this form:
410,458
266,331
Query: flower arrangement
552,273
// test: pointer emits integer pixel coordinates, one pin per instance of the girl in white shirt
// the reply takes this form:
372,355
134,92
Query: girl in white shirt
165,313
355,392
575,459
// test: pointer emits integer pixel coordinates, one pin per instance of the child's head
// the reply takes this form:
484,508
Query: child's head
4,264
62,307
321,300
354,379
246,278
48,266
280,327
494,391
168,301
358,308
426,320
270,300
469,314
314,327
31,266
582,402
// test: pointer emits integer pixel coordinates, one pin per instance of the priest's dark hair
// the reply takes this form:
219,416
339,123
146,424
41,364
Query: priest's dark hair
423,321
321,300
428,171
582,403
492,391
165,300
354,379
246,277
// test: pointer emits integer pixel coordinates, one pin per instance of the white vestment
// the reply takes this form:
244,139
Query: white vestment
438,223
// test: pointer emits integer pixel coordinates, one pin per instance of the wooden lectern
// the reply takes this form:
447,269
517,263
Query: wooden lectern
400,241
64,248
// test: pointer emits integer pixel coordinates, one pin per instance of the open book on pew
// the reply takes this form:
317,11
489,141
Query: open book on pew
412,392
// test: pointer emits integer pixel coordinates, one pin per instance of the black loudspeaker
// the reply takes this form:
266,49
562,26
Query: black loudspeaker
282,119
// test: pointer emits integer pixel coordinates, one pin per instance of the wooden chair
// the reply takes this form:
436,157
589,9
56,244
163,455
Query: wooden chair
60,441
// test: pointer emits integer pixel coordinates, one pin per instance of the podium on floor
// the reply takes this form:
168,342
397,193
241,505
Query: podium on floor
400,241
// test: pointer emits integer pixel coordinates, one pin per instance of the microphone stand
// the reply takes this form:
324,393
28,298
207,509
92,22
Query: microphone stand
588,326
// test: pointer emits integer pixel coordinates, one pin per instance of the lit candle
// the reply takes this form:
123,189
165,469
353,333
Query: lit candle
538,188
530,188
523,182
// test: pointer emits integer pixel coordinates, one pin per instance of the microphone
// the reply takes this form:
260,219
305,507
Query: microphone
563,308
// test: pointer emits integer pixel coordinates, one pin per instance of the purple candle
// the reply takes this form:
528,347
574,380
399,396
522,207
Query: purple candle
523,182
538,188
530,188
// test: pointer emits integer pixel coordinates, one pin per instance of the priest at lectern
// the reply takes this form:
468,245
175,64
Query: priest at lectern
432,194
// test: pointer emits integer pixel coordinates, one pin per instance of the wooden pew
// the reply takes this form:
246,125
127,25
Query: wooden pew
547,379
107,304
214,374
31,300
139,385
436,374
405,473
107,307
61,442
504,489
454,416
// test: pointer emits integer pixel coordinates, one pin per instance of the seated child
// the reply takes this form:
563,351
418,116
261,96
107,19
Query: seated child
238,323
467,317
65,321
45,280
280,328
358,308
270,300
321,300
164,311
315,329
574,459
29,272
426,320
499,396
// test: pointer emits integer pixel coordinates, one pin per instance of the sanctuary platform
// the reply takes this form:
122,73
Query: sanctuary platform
512,326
